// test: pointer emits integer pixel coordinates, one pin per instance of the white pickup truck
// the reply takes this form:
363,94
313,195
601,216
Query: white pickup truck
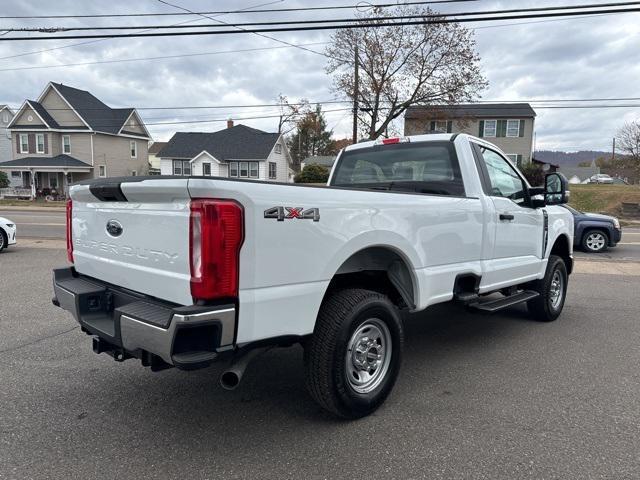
186,271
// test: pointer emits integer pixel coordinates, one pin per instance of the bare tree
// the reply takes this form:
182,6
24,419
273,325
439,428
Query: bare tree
628,137
290,113
403,65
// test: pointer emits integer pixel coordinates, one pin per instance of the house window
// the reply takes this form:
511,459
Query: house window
243,169
278,148
53,180
182,167
489,128
133,146
24,143
5,117
272,170
233,169
513,128
515,158
39,142
206,169
102,171
134,173
66,144
16,174
253,169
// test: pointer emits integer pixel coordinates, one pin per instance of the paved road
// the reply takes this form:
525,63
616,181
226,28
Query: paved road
497,397
37,224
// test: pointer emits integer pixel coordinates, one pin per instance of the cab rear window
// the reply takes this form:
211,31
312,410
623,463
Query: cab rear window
428,167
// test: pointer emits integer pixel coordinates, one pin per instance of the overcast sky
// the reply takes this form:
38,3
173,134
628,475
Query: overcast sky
597,57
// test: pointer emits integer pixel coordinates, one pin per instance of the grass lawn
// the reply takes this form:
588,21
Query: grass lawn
603,198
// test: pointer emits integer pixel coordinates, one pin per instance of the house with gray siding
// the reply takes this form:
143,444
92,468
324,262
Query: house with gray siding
237,151
6,115
68,135
509,126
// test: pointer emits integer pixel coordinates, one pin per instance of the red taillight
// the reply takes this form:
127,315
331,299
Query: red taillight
389,141
69,231
216,232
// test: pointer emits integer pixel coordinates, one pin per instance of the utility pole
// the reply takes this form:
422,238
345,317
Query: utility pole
356,94
613,150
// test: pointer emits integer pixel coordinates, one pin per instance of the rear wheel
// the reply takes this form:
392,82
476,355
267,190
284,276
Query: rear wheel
354,355
552,289
595,241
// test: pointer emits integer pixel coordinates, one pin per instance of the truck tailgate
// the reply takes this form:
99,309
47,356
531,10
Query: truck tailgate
140,242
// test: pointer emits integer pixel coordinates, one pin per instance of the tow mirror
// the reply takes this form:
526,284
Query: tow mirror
556,189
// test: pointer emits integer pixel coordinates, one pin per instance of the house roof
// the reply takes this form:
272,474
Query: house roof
99,116
59,161
156,147
236,143
492,110
581,172
324,160
40,110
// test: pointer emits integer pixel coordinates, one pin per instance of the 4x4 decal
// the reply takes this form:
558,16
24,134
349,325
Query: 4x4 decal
282,213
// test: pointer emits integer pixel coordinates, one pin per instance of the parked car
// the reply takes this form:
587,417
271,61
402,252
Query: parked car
235,266
594,233
7,233
601,178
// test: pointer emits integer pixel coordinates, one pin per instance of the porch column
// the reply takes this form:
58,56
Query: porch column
33,184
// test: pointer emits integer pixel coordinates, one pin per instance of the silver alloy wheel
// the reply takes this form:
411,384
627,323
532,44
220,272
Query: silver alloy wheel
595,241
557,290
368,355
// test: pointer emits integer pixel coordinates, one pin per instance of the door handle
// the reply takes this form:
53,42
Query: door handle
506,216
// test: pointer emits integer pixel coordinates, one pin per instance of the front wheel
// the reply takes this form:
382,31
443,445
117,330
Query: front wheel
353,358
3,240
552,289
595,241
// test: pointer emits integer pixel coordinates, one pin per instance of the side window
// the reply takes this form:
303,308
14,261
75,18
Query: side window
505,181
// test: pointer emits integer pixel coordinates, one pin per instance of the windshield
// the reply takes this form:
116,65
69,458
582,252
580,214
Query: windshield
427,167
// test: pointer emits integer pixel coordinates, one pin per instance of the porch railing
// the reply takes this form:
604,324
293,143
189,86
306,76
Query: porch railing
15,193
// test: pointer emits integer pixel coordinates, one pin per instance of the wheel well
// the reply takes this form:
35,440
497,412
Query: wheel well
380,269
562,250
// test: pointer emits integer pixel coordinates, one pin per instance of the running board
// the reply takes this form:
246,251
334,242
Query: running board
493,305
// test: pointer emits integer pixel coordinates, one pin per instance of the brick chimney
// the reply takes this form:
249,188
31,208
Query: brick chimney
230,123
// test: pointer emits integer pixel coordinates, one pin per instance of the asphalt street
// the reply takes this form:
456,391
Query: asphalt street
495,397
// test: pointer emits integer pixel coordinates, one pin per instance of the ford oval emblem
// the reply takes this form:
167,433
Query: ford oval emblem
114,228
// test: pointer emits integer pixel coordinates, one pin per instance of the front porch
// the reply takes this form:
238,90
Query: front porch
47,178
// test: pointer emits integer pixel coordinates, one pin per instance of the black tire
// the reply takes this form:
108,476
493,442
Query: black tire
346,314
545,308
4,241
595,241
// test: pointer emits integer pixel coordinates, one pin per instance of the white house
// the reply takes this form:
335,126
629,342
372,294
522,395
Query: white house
236,152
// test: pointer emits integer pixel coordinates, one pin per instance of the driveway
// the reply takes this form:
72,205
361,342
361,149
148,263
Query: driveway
496,397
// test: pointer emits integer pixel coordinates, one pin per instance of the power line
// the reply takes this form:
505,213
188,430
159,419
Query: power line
160,57
321,21
283,42
439,20
360,5
34,52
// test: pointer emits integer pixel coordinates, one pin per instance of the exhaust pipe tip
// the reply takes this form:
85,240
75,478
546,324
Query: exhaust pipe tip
229,380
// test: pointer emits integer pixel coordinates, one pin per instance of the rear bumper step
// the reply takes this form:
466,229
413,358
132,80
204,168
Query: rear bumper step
125,324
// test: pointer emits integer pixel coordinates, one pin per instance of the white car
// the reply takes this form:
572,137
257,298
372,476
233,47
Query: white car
7,233
186,271
601,178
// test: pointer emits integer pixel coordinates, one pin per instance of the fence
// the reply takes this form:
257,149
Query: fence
15,193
